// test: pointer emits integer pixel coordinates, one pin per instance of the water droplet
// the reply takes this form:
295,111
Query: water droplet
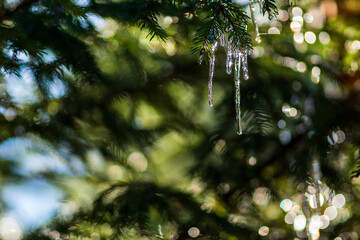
253,19
258,38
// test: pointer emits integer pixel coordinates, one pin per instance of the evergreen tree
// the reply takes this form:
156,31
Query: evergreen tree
157,162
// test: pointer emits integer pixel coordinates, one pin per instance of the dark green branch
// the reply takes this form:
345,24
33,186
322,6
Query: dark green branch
9,13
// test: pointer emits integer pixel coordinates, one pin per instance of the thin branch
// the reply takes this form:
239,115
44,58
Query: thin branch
208,34
226,15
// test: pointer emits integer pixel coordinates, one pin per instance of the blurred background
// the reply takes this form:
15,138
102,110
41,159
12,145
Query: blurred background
105,134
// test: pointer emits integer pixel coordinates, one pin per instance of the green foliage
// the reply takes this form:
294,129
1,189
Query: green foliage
143,14
136,201
356,173
134,112
223,17
269,6
149,20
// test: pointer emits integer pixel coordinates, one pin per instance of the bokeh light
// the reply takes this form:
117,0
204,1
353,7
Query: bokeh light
324,38
194,232
312,200
299,38
310,37
297,11
252,161
290,218
325,221
10,228
138,161
338,201
261,196
286,205
299,222
308,17
263,231
331,212
281,124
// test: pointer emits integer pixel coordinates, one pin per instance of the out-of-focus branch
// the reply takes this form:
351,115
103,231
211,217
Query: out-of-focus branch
2,7
8,13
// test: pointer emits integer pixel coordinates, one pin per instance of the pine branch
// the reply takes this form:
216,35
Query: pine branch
73,9
2,7
269,6
9,13
356,173
208,31
142,14
149,21
225,17
204,36
133,202
237,20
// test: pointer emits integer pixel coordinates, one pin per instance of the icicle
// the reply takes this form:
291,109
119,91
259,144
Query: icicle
244,65
252,12
211,75
237,75
211,72
257,38
229,57
161,235
316,177
260,5
238,57
307,214
201,59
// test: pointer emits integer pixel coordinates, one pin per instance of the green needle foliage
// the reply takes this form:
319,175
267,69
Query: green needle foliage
269,6
224,16
145,157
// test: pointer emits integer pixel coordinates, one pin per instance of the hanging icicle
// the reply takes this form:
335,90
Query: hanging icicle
211,73
316,178
260,2
244,65
237,76
236,58
201,59
229,57
253,19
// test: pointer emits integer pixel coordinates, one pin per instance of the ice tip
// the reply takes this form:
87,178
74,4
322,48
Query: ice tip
239,132
201,59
